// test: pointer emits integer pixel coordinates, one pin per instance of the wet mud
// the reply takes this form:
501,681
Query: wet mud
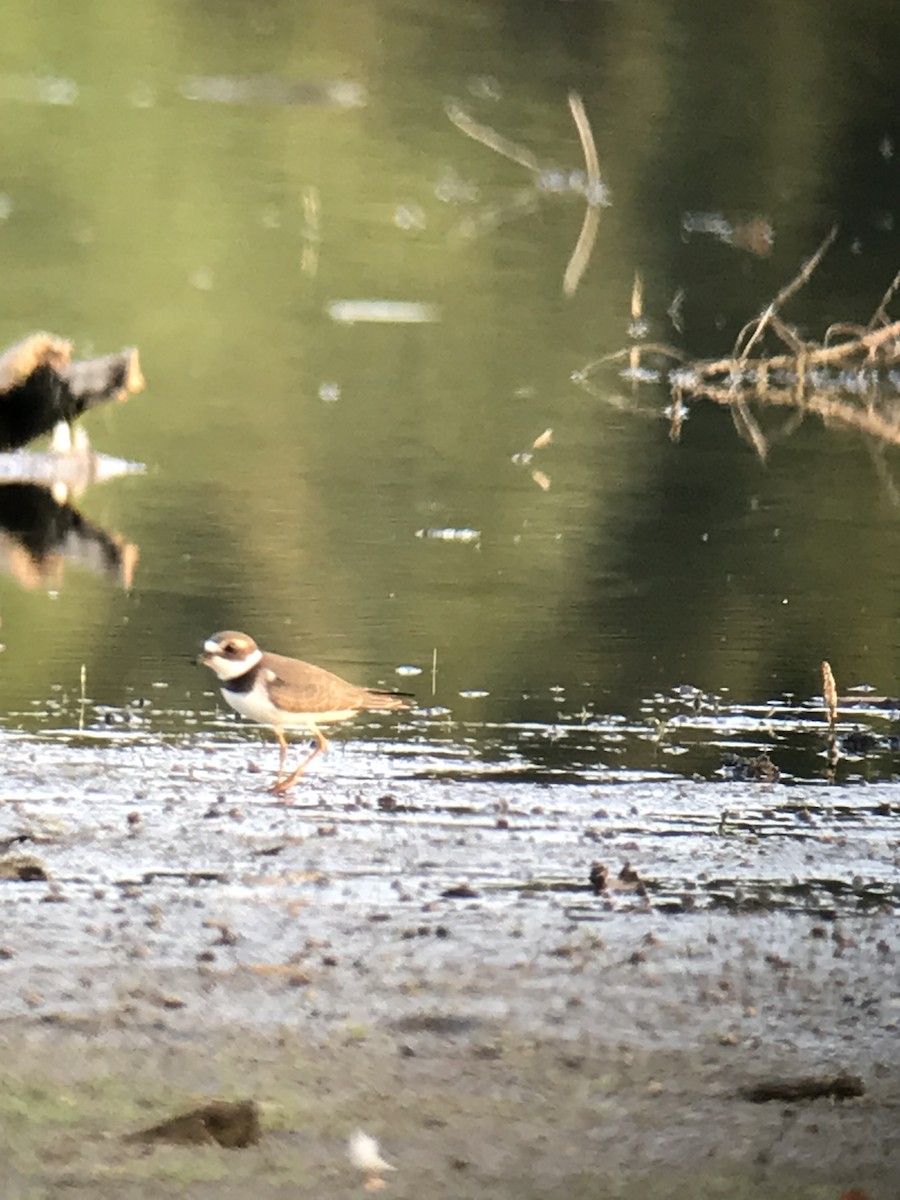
519,988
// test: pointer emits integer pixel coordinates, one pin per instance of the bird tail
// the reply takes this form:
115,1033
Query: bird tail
388,701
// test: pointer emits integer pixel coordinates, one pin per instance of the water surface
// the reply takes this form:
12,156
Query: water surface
222,188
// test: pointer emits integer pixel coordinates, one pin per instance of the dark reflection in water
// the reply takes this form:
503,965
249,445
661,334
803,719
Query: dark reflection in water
39,535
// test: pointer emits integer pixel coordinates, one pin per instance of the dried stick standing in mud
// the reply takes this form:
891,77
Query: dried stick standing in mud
829,692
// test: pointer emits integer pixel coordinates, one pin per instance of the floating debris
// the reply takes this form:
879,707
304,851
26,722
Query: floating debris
267,89
753,234
449,534
74,471
524,458
407,670
383,312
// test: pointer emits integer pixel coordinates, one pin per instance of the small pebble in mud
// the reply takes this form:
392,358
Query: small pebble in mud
154,917
460,891
227,936
781,964
598,877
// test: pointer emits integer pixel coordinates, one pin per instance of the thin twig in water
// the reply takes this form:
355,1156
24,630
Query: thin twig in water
746,425
783,296
584,246
637,297
648,348
588,145
491,138
880,313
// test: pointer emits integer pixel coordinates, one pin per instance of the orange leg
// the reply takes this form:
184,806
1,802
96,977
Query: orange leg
283,785
282,742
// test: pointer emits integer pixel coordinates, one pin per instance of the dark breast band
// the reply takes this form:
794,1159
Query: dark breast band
242,684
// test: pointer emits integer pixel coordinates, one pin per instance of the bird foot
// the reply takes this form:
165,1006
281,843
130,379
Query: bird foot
281,786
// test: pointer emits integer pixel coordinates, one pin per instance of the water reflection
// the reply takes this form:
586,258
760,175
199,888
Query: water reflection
40,533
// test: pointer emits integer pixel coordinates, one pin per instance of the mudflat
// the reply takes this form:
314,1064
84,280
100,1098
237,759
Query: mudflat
657,988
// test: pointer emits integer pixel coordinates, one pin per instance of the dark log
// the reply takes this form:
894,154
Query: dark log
40,386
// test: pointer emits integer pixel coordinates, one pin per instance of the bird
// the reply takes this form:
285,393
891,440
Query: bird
287,693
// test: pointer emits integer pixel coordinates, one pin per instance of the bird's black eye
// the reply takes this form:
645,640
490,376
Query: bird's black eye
229,648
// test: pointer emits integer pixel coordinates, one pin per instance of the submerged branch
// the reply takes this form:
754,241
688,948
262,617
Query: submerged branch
844,379
790,289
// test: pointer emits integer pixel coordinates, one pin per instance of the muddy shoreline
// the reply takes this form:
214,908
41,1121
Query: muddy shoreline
425,957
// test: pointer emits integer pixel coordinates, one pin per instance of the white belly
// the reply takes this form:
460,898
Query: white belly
257,707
